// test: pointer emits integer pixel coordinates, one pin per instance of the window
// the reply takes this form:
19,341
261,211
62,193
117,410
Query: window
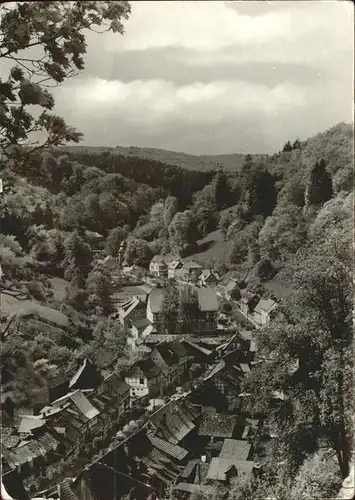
141,381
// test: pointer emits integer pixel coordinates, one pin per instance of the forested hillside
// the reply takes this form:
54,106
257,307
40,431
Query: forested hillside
284,219
202,163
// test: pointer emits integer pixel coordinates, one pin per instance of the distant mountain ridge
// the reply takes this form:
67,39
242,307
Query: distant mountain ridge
232,161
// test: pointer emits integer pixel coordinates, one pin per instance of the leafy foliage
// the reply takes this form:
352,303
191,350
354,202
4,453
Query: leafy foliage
45,42
319,188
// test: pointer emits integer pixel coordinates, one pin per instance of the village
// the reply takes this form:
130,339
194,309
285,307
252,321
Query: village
174,420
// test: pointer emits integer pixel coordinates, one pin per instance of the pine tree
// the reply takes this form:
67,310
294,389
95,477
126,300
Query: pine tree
287,147
222,190
260,195
319,188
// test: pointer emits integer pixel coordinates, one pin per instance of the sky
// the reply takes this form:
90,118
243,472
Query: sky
215,77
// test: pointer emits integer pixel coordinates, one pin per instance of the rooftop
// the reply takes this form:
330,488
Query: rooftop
220,466
265,306
236,449
217,425
172,450
114,382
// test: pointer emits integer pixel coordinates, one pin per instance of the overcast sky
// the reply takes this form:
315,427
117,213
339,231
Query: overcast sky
216,77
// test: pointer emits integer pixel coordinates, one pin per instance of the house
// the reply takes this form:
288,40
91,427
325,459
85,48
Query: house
174,421
173,451
199,354
110,263
208,278
139,329
236,449
34,456
80,406
158,267
173,266
144,378
263,311
118,390
133,469
190,271
130,310
224,469
86,377
126,293
201,317
58,386
172,360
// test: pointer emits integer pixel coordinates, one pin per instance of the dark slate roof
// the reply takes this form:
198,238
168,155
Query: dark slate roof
141,323
114,382
174,421
177,348
169,449
217,425
169,356
60,379
84,366
146,366
189,469
193,348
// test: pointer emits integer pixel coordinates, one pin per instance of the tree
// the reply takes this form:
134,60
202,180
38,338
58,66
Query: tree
182,230
314,330
76,293
260,193
171,309
283,233
170,209
45,42
287,147
114,240
296,144
204,211
100,290
319,188
221,189
224,222
138,252
77,255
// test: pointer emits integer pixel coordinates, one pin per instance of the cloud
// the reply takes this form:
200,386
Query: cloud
215,77
222,116
211,25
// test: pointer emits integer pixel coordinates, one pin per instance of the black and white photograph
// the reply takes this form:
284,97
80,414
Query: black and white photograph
177,250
